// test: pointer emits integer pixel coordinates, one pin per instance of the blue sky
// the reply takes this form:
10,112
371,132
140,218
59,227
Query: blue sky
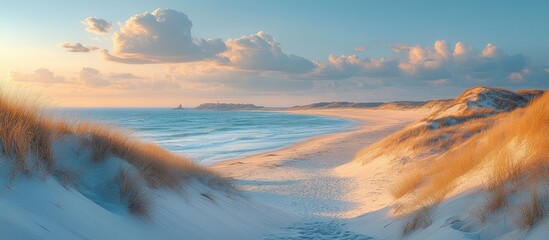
312,30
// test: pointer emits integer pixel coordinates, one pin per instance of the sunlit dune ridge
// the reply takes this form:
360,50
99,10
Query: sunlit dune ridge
450,124
514,147
502,150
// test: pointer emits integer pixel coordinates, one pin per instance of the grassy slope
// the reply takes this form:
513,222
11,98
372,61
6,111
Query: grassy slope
27,135
62,180
503,155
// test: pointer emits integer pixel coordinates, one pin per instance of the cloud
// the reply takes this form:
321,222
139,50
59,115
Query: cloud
154,84
92,77
400,47
97,25
41,75
361,49
461,49
442,49
237,81
491,51
262,52
125,81
516,77
77,47
535,76
162,36
348,66
440,64
424,59
463,64
123,76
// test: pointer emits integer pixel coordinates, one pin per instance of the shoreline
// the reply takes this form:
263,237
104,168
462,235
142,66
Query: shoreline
302,178
356,124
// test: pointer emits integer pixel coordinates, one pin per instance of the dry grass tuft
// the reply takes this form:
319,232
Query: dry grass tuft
496,200
533,210
419,219
406,185
133,194
26,134
104,140
505,169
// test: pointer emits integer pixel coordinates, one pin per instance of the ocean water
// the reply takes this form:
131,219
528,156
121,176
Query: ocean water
211,136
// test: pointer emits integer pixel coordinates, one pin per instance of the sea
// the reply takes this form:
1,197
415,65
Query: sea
211,136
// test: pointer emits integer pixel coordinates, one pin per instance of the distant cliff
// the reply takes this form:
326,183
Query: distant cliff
228,106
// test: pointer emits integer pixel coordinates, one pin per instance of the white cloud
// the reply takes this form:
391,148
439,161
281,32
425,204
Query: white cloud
461,49
438,64
348,66
489,65
491,51
442,49
519,77
97,25
41,75
92,77
77,47
159,37
164,36
262,52
421,59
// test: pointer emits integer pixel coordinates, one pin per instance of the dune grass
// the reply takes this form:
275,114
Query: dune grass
496,200
132,192
424,139
159,167
419,219
532,211
515,150
425,143
407,184
27,134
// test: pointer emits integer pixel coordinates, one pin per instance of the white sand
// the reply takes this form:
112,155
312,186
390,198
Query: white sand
39,207
308,178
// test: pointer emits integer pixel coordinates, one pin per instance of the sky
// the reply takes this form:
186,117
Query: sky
270,53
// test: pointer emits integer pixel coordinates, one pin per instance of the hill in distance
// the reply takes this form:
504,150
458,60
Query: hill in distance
228,106
395,105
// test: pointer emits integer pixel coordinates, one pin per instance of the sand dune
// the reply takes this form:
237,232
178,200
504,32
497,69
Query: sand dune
427,173
90,181
485,185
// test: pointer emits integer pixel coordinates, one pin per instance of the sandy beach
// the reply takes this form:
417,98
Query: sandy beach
315,178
